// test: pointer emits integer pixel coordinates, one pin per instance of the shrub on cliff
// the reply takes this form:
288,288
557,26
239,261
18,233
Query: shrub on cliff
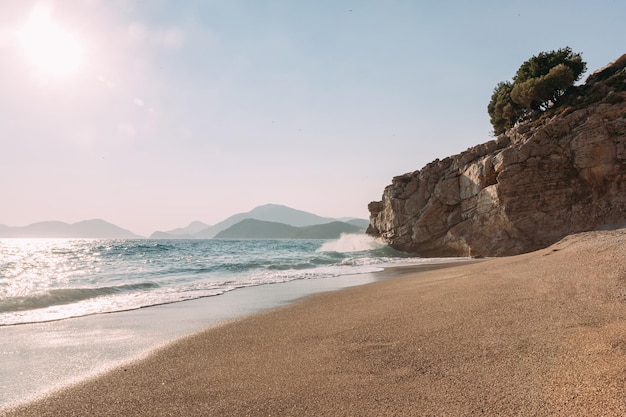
537,86
503,111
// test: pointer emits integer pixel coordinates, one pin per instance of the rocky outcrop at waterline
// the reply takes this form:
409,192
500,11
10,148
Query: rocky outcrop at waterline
562,173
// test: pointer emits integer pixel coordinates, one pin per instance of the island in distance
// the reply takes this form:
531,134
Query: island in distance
88,229
260,229
279,216
284,222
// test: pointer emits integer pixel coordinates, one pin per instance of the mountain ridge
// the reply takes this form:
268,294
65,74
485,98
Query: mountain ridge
268,212
101,229
181,232
85,229
261,229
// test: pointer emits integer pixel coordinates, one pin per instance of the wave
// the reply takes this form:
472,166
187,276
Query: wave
349,242
60,276
55,297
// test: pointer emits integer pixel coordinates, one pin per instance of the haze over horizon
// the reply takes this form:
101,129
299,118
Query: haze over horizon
151,115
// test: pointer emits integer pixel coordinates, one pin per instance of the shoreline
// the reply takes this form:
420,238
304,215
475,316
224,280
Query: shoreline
92,345
540,334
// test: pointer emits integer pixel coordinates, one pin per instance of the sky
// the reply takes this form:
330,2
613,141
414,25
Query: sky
151,114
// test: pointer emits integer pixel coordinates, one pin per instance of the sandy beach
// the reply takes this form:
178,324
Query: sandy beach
540,334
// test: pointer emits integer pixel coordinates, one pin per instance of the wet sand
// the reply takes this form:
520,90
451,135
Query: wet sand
540,334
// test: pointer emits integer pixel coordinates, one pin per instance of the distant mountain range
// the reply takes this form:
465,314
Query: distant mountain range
293,224
181,232
86,229
268,213
260,229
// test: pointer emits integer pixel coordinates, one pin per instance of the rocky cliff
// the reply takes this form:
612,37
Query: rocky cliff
562,173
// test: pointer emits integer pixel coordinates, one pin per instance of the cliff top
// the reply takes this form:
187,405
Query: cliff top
560,172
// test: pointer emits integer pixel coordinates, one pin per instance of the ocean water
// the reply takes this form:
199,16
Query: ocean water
51,279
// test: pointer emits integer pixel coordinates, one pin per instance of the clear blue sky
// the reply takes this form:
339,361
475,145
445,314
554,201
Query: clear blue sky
150,114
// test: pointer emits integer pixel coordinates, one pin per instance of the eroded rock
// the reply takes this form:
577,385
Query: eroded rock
523,191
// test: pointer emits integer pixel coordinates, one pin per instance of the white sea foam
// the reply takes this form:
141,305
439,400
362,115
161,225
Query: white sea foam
349,242
44,280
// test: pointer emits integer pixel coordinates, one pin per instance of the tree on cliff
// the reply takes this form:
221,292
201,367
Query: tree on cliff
503,111
537,86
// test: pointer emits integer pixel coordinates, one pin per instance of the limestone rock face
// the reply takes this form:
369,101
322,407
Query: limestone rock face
522,191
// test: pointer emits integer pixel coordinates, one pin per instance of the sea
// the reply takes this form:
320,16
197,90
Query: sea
71,309
44,280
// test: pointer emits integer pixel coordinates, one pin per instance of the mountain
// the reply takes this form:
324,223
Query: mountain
165,235
181,232
270,213
257,229
95,228
98,228
193,227
357,222
332,230
561,173
260,229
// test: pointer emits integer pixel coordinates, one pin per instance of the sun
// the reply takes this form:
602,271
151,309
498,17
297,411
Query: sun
52,50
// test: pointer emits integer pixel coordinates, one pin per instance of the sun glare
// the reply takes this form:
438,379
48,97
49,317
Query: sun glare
51,49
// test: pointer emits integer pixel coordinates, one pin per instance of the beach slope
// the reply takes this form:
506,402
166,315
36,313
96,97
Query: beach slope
539,334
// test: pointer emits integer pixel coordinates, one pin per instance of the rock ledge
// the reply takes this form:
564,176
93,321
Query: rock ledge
564,173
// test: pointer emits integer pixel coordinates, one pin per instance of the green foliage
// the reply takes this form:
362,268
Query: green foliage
541,92
503,112
536,87
542,64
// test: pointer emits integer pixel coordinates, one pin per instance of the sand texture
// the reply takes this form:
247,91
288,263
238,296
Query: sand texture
540,334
